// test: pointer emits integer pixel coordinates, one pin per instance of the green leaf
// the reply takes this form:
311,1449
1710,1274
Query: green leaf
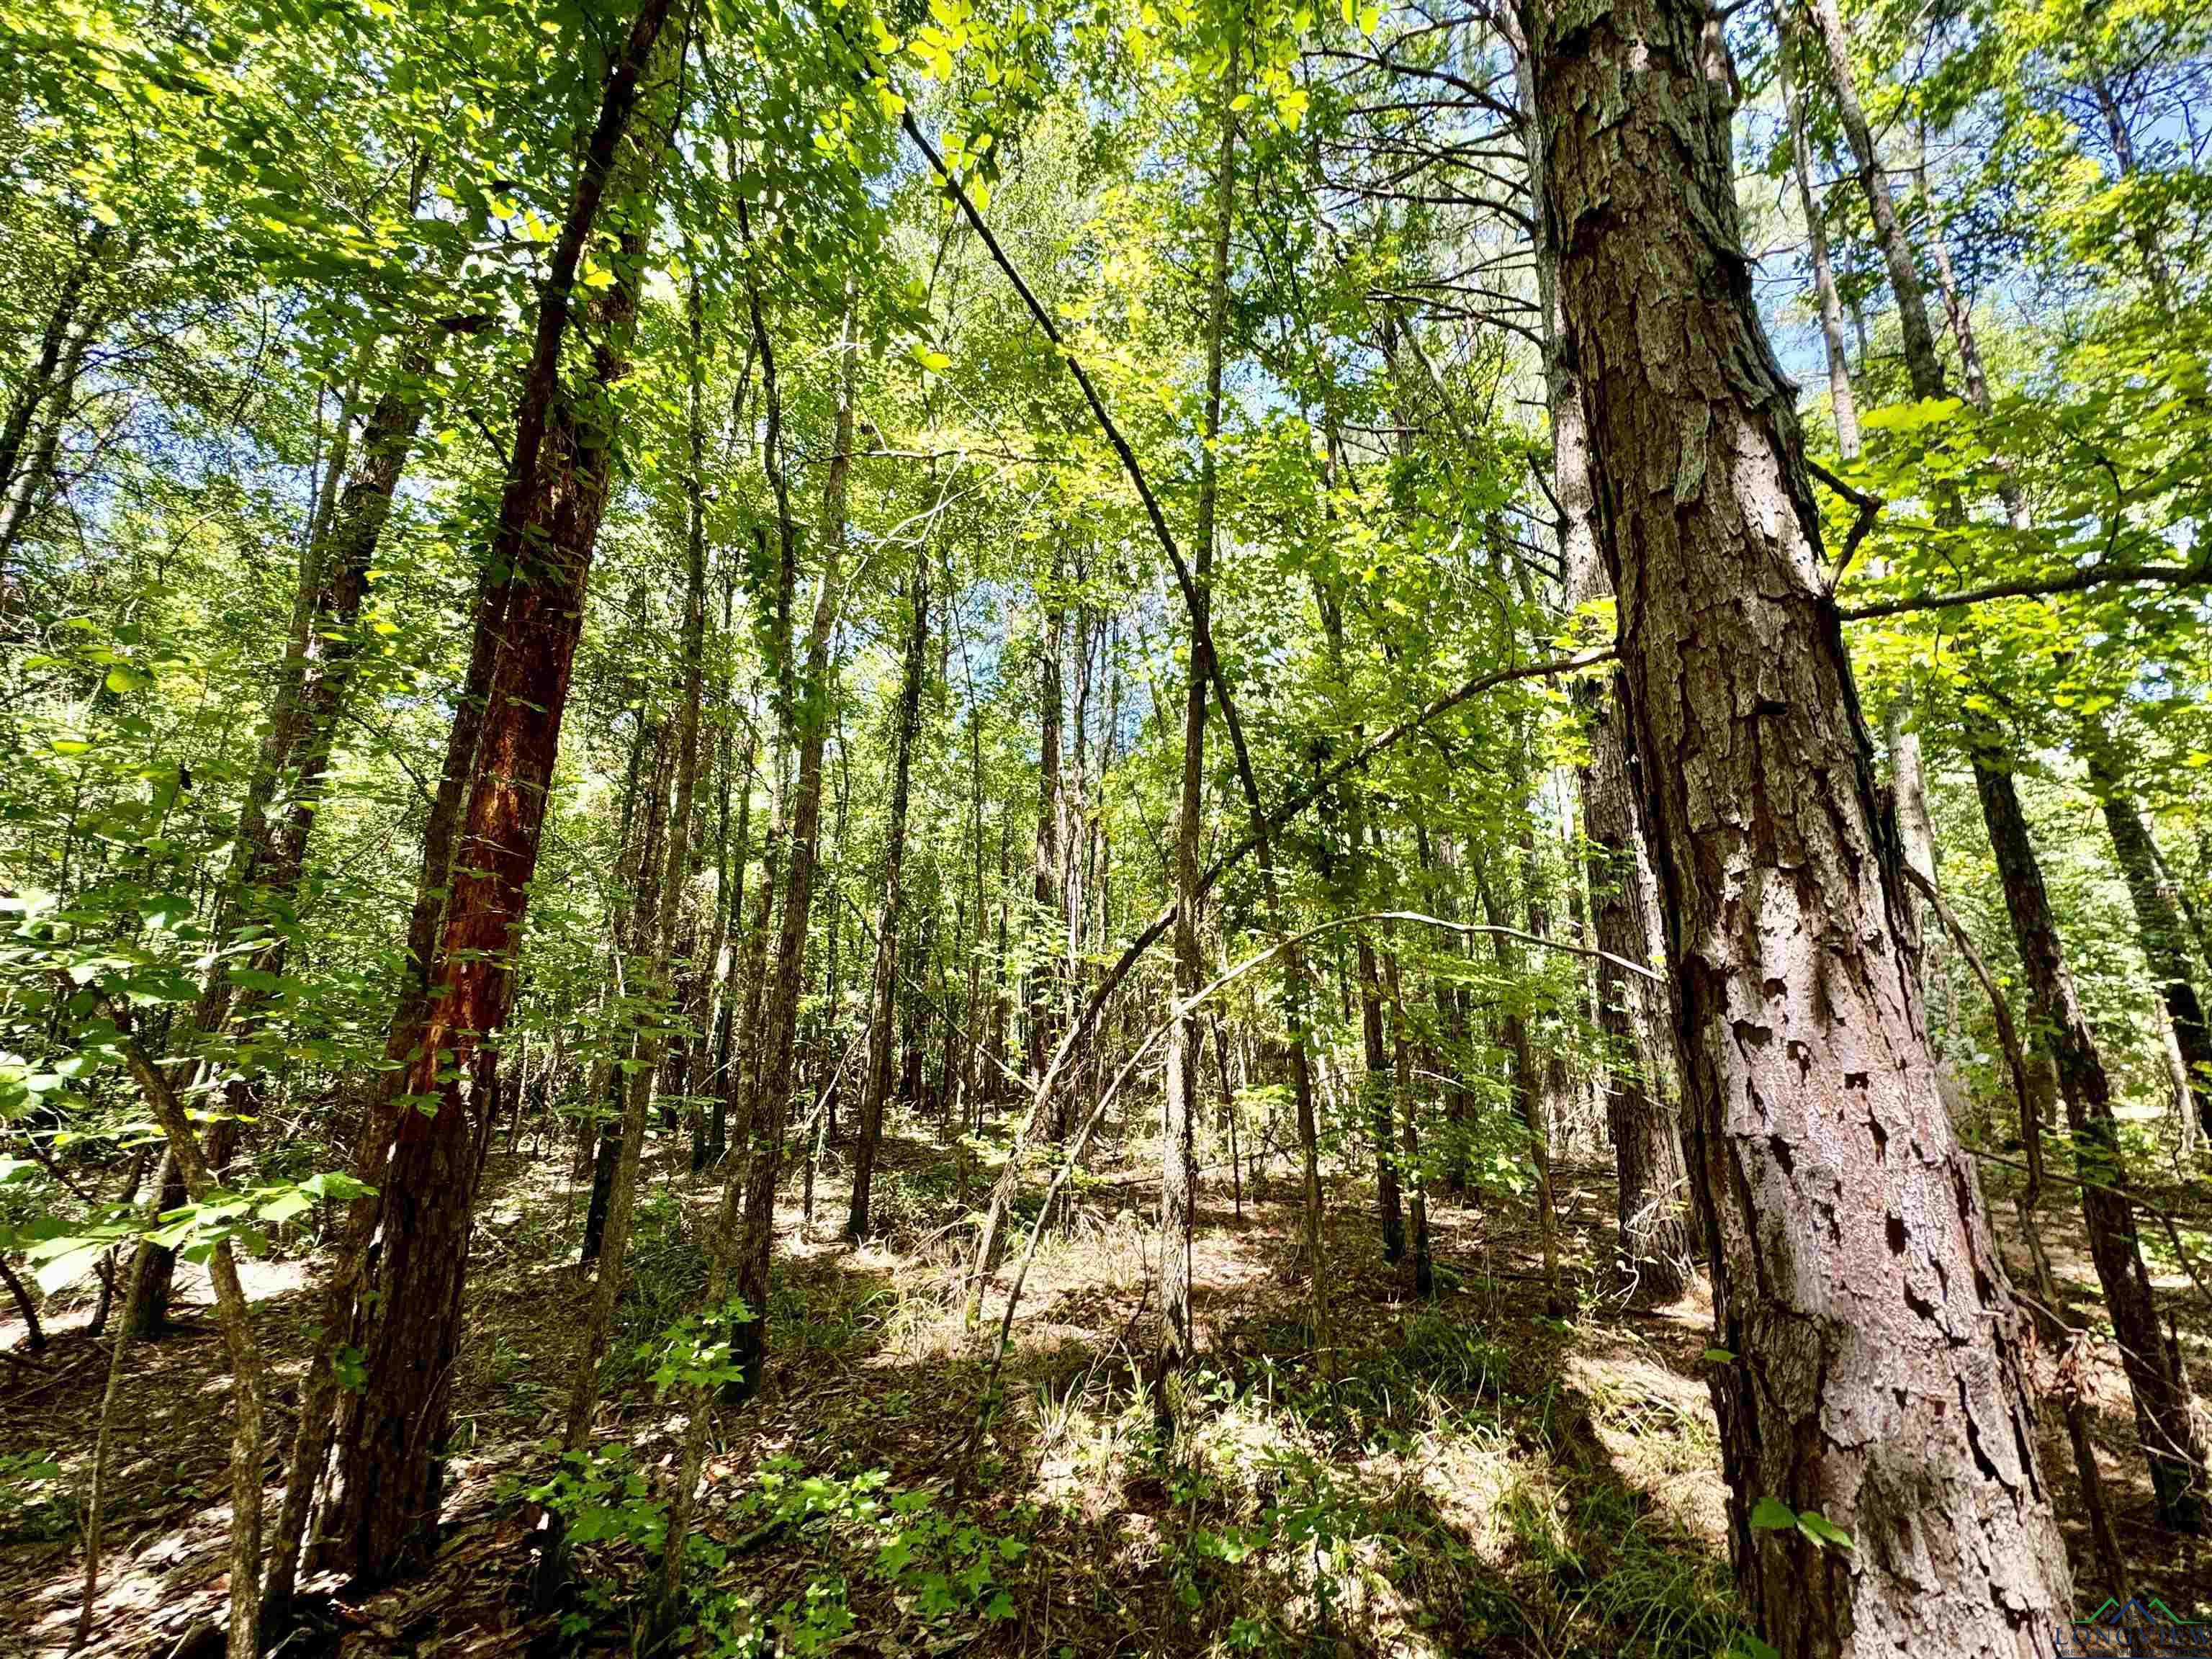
1822,1530
1717,1356
1772,1514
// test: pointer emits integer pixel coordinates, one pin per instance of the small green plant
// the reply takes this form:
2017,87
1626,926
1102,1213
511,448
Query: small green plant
31,1497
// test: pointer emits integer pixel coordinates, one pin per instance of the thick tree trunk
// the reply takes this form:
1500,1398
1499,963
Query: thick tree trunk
392,1452
2164,1423
883,987
1876,1375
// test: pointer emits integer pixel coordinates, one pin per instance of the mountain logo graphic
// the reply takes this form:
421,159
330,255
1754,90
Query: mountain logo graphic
2140,1626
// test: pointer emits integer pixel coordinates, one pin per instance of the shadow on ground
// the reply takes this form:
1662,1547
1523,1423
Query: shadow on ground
1459,1475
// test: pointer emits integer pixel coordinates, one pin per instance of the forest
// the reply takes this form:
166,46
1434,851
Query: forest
1105,827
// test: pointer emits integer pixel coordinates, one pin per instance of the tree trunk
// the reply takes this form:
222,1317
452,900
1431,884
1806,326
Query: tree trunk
234,1317
883,986
1841,406
1919,340
2158,916
1876,1375
47,386
1402,1087
1186,1052
2164,1423
1041,1002
1656,1258
31,475
806,717
660,906
392,1452
636,905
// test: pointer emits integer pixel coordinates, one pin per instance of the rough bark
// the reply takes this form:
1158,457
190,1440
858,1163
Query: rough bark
1876,1375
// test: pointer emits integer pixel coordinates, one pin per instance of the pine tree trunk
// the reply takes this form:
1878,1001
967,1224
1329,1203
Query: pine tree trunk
391,1450
1876,1374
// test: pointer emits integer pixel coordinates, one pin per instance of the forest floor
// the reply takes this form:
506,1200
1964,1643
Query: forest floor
1478,1478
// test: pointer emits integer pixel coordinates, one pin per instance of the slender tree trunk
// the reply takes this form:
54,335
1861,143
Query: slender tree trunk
1656,1258
2170,1441
1904,282
1186,1042
1401,1086
806,717
1841,404
1611,824
1042,1002
1527,1097
2164,1423
33,474
881,997
2157,917
40,382
637,905
1876,1375
392,1452
234,1317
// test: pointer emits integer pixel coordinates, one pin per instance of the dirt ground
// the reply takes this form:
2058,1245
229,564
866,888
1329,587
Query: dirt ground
1463,1475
